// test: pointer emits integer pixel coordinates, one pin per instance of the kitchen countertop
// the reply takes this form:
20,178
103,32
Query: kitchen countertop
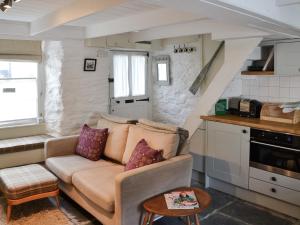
256,123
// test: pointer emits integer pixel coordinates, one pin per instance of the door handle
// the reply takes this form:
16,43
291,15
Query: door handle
143,100
129,101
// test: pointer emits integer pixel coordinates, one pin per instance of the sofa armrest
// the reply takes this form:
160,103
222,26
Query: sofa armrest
61,146
133,187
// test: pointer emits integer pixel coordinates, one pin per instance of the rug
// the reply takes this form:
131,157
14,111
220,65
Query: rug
45,212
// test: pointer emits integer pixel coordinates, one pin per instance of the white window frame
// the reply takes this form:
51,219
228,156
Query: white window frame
40,95
129,54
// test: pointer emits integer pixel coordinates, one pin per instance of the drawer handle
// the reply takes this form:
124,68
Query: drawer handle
273,179
273,190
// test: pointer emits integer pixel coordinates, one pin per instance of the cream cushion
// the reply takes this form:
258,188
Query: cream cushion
98,185
168,142
116,140
65,166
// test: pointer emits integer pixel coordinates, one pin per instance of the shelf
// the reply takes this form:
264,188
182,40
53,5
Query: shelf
253,73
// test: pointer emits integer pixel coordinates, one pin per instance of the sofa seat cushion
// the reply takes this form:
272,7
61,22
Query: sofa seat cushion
65,166
98,185
168,142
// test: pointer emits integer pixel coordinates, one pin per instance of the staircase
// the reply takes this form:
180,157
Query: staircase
227,64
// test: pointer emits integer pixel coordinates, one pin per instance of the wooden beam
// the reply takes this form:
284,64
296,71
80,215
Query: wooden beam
219,31
71,12
281,3
146,20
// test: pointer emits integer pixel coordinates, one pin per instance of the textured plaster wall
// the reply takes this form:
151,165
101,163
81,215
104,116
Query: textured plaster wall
72,96
172,104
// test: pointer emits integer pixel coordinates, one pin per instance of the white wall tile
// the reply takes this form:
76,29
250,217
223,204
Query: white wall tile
284,82
284,92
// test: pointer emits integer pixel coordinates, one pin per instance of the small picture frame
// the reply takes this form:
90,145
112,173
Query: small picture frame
89,64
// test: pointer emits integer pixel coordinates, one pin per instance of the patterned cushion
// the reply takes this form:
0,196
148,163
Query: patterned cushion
91,142
143,155
25,181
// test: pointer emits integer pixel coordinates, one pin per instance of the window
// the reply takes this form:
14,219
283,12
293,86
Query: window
129,75
18,92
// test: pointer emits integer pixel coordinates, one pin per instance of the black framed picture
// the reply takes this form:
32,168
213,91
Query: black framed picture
90,64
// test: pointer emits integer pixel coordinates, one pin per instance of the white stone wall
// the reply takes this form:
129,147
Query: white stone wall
172,104
73,96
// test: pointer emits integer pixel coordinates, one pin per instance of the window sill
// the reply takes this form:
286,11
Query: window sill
23,130
23,144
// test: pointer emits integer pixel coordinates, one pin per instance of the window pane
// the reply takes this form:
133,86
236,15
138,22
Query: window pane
121,81
138,68
18,99
18,69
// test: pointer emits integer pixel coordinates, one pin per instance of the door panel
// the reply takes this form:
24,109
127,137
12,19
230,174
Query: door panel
130,74
228,150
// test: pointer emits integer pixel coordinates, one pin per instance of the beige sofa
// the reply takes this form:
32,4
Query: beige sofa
102,187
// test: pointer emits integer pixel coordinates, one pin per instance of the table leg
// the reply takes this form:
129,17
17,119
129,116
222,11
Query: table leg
188,220
151,219
8,213
146,218
197,219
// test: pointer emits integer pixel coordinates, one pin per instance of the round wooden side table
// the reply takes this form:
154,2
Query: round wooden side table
158,206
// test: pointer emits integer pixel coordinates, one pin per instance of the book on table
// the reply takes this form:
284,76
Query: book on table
181,200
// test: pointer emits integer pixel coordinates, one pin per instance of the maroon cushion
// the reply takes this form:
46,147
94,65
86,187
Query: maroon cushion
91,142
143,155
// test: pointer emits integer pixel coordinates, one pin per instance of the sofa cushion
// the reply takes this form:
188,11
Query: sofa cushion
65,166
168,142
91,142
143,155
98,185
116,141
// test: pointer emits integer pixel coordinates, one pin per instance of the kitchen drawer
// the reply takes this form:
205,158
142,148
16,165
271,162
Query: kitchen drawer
274,178
275,191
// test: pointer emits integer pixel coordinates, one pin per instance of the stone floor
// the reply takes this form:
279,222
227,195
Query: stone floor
224,210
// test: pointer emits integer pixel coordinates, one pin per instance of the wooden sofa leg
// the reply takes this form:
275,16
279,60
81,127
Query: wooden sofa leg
57,201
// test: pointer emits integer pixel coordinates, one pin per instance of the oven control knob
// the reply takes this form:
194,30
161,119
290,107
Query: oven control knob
273,190
273,179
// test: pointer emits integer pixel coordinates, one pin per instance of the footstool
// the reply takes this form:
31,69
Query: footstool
27,183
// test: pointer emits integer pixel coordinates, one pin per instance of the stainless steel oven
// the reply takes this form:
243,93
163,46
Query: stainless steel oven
275,152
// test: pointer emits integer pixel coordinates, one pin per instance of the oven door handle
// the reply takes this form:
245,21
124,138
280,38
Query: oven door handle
276,146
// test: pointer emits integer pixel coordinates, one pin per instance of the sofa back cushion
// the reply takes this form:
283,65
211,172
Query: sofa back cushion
116,140
91,142
168,142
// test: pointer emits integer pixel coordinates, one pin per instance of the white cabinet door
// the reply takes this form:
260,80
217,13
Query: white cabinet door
228,148
287,58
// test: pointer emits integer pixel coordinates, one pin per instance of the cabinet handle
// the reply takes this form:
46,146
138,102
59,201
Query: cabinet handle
273,190
273,179
244,131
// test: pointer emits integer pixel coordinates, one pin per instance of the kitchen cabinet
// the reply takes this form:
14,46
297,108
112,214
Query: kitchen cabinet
227,153
287,58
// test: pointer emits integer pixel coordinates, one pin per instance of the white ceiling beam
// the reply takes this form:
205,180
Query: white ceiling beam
21,30
281,3
219,31
145,20
71,12
223,11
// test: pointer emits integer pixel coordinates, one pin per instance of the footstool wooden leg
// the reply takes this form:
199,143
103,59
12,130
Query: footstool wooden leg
57,201
8,213
197,220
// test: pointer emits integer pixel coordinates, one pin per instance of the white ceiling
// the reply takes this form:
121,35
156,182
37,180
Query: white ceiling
29,10
125,9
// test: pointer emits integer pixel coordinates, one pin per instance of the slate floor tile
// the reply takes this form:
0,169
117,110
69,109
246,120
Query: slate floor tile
169,221
219,200
219,219
254,215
